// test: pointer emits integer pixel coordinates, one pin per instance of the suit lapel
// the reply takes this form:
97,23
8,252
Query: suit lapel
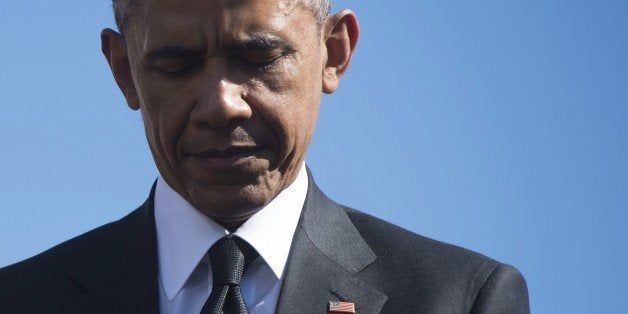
121,276
326,255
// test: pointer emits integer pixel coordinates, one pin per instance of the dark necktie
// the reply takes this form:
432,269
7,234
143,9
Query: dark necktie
230,257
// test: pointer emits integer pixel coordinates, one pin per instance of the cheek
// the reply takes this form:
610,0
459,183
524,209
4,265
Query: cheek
288,105
164,110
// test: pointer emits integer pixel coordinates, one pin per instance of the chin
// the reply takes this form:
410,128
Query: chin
228,203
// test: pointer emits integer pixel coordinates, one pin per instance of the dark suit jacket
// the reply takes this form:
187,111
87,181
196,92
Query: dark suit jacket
337,253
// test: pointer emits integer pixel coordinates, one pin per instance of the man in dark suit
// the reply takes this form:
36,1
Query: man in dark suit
229,92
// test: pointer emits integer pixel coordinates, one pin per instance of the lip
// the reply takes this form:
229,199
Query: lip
223,159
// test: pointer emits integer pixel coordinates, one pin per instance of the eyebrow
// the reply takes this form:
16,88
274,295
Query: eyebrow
175,52
263,42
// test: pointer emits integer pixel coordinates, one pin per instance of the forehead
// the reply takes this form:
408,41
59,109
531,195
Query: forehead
162,21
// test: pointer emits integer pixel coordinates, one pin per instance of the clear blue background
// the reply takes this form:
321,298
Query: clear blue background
500,126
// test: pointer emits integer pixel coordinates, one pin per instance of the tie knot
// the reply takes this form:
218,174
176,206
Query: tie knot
230,256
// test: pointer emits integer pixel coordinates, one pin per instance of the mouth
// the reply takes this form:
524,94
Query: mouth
226,158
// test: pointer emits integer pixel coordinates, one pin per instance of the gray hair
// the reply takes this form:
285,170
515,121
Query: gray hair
124,10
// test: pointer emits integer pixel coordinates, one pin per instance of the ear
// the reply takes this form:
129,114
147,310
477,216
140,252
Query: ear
113,46
342,33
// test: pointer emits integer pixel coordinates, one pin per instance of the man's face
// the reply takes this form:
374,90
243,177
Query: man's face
229,93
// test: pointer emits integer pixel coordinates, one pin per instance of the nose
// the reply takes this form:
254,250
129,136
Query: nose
221,105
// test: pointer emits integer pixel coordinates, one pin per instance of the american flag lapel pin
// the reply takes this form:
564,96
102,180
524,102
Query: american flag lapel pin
341,307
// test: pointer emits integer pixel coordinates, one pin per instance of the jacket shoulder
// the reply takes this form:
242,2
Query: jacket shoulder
104,238
392,240
49,277
432,276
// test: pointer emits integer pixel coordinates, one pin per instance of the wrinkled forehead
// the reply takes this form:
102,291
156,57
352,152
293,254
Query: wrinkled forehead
215,21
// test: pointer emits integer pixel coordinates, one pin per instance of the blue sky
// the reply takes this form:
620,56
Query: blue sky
500,126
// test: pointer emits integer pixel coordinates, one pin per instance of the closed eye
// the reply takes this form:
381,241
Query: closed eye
260,51
175,61
259,62
176,67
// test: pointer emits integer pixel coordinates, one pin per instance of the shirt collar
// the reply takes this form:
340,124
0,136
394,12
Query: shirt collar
184,235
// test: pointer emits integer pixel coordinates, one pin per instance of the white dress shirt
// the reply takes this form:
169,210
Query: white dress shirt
184,236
